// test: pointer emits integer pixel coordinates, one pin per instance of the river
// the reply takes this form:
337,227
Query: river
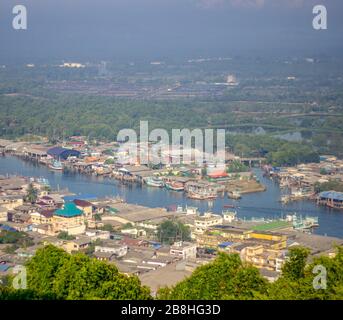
265,204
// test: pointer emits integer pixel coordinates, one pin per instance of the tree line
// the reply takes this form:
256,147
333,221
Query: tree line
54,274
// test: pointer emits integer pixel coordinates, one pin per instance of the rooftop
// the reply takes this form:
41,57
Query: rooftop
69,210
332,195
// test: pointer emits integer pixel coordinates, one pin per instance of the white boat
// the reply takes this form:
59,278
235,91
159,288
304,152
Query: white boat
154,182
234,195
56,165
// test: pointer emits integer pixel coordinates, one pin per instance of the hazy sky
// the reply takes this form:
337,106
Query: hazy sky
129,29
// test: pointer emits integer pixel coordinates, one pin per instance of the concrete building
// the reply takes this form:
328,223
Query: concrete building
118,250
184,250
203,223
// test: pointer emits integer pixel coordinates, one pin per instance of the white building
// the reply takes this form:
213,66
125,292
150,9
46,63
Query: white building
108,247
184,250
202,223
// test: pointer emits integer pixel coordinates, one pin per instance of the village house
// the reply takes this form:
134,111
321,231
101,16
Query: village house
3,214
42,216
85,206
113,247
203,223
10,202
80,243
259,256
272,240
184,250
18,217
98,235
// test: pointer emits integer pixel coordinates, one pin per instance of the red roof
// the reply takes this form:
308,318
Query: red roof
47,198
82,203
47,213
218,175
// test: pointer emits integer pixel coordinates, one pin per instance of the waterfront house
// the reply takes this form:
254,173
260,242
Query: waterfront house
331,199
60,153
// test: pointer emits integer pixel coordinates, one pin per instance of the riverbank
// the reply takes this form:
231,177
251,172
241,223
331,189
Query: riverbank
260,205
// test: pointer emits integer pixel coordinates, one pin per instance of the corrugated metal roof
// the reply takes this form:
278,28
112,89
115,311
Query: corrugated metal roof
332,195
225,244
4,267
62,152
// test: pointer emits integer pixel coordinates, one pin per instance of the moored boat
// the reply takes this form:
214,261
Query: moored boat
56,165
234,195
174,186
201,196
154,182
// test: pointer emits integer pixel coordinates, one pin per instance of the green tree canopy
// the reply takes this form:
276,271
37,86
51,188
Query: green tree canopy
170,231
54,272
224,278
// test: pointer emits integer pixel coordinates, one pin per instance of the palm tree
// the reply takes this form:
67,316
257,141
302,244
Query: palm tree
32,194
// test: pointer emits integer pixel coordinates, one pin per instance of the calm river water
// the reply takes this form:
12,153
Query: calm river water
265,204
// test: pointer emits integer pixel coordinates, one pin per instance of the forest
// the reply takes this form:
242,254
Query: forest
260,115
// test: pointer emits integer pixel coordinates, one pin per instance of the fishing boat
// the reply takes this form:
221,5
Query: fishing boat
56,165
201,196
229,206
154,182
306,224
234,195
174,186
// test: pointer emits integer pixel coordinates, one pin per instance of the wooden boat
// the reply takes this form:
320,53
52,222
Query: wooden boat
200,196
174,186
154,182
229,206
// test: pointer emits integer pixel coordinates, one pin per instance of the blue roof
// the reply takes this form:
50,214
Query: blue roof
4,267
225,244
332,195
80,197
62,152
7,228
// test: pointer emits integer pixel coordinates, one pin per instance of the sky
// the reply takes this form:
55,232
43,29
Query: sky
162,29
